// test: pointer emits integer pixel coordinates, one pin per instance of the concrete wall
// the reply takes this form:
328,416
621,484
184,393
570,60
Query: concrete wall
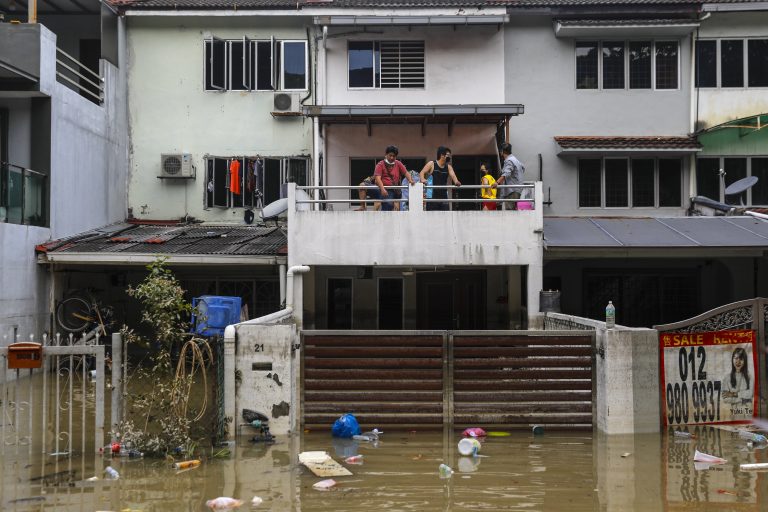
461,66
274,391
172,113
719,105
540,73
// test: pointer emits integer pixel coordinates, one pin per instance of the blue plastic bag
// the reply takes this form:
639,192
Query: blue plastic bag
345,426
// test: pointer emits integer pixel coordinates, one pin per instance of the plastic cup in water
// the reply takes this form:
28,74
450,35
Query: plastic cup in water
469,446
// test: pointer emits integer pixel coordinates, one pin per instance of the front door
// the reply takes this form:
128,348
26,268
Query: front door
451,299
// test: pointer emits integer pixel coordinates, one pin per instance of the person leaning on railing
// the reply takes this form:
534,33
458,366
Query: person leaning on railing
511,174
388,173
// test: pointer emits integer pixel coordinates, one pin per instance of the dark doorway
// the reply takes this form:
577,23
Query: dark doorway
339,303
90,53
451,299
391,303
467,169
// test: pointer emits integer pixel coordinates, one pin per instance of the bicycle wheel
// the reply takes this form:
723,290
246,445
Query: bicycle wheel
73,314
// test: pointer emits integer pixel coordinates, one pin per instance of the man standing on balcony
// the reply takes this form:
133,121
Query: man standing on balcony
440,170
511,174
388,173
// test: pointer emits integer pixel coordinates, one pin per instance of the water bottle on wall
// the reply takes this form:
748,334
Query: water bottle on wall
610,315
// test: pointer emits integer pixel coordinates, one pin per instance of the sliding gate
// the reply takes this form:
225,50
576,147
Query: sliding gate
401,379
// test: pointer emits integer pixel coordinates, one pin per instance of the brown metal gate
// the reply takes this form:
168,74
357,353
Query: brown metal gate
415,378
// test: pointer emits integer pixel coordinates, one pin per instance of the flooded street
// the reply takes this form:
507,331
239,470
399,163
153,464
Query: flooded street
552,472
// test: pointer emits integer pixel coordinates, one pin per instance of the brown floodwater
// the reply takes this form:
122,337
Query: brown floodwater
551,472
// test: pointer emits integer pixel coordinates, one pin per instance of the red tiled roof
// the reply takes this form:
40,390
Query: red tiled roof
648,142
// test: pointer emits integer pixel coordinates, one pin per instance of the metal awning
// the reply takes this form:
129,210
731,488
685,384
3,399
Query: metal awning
584,145
351,20
671,236
413,114
606,28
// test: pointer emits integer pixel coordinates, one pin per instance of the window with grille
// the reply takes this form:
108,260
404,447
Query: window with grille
253,182
709,184
742,63
627,65
385,64
630,182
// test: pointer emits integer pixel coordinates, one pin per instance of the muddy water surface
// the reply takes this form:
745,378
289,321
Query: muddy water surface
552,472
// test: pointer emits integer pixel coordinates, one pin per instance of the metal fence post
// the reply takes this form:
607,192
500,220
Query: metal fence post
117,382
229,378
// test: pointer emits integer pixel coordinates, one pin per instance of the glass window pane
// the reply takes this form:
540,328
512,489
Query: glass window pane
361,64
294,65
236,56
220,183
758,62
643,182
271,180
218,64
613,65
298,171
640,65
732,63
670,182
589,183
264,66
706,63
735,169
708,178
209,185
616,183
666,65
586,65
760,190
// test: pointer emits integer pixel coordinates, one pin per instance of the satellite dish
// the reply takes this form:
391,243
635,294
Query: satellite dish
274,209
279,207
741,186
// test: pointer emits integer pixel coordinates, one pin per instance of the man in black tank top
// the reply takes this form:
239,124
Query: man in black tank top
440,169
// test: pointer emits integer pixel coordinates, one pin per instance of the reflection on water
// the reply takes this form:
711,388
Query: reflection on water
556,471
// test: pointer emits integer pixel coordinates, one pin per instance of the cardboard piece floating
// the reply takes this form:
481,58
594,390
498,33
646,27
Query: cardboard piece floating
321,464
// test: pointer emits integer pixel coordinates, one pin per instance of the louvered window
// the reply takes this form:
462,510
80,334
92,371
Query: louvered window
386,64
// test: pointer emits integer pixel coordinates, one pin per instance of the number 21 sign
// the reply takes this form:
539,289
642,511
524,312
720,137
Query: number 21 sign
708,377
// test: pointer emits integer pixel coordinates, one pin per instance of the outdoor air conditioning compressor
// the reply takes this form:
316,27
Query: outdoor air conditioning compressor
176,165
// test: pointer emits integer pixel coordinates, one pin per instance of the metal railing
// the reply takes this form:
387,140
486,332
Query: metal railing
526,193
23,195
69,70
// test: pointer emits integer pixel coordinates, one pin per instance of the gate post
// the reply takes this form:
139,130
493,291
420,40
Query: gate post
448,380
229,379
117,382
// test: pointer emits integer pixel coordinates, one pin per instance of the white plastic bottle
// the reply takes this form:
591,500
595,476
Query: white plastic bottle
610,315
112,474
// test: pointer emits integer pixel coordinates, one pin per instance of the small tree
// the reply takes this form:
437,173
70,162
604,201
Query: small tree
160,419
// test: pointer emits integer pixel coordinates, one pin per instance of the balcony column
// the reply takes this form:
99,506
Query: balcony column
31,11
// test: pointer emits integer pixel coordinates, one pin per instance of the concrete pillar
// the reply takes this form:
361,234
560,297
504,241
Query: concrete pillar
117,382
627,381
281,276
514,302
230,407
416,198
535,284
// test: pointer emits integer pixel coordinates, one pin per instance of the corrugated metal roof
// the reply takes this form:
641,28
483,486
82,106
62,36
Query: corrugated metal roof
655,233
178,239
570,142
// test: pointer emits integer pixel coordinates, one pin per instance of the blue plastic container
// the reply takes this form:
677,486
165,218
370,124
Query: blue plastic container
211,314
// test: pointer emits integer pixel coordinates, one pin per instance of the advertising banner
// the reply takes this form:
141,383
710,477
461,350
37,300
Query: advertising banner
708,377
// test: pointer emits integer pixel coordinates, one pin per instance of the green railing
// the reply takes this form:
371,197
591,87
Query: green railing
23,195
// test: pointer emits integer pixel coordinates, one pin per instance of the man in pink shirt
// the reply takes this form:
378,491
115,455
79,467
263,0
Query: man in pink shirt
388,173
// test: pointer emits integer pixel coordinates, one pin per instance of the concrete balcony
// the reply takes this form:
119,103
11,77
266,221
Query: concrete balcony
414,237
20,56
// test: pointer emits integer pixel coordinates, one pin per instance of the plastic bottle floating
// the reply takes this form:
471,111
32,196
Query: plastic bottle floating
445,471
753,436
186,464
223,503
354,459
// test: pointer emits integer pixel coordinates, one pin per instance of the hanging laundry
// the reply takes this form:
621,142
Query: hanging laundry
258,169
250,179
234,177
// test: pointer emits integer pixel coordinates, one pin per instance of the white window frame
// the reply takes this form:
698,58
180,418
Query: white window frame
250,64
626,63
282,64
377,44
656,182
745,62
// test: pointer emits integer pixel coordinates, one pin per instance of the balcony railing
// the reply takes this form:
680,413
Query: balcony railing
418,199
78,77
23,195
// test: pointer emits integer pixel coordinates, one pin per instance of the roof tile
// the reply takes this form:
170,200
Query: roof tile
609,142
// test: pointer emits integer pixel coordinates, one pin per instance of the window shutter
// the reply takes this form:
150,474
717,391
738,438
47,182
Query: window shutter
402,64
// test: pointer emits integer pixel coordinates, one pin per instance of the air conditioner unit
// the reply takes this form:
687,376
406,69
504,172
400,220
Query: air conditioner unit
286,102
176,165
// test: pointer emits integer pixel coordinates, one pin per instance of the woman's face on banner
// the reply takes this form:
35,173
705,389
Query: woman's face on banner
738,362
